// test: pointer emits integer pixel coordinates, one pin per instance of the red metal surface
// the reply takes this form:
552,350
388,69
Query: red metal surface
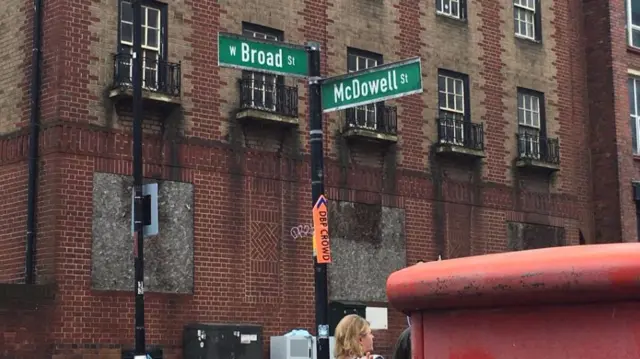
558,303
575,274
593,331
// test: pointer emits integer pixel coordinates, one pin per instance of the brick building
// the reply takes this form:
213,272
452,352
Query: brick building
496,154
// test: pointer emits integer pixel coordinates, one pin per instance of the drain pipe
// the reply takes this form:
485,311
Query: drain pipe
33,143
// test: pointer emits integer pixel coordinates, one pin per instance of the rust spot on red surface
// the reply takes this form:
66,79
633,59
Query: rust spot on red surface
474,353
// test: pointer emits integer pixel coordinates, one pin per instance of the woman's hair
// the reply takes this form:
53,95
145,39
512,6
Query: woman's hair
347,336
402,349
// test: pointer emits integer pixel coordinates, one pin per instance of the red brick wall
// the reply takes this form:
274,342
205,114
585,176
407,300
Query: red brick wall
25,321
231,185
13,210
611,148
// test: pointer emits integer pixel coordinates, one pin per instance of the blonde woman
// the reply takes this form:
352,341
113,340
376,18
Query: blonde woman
353,338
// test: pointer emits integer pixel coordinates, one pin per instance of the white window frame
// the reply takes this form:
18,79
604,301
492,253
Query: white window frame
148,51
525,10
447,7
631,27
456,123
261,82
530,122
370,111
634,111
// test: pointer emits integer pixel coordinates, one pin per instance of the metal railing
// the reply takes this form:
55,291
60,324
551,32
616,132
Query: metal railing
376,117
269,96
534,146
157,75
458,132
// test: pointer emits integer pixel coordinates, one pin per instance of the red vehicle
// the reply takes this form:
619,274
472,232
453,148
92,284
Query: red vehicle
578,302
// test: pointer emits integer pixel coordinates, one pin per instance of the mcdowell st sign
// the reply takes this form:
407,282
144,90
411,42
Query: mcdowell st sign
372,85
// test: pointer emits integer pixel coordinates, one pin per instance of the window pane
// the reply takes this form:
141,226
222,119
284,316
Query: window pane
520,100
458,90
439,5
126,32
633,123
152,38
152,18
441,83
450,101
126,12
535,103
632,107
351,63
521,116
535,120
362,63
442,100
450,84
635,37
454,9
459,103
530,29
635,12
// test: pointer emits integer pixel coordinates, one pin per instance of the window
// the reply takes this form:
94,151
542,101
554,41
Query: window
153,18
453,105
453,8
527,19
634,110
531,123
633,22
363,116
263,87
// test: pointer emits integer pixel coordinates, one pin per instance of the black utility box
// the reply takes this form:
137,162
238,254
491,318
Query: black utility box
340,309
222,341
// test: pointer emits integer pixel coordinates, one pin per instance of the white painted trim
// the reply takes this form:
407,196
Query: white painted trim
633,72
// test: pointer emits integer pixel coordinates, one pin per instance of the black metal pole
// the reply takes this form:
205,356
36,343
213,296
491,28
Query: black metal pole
317,189
137,179
32,192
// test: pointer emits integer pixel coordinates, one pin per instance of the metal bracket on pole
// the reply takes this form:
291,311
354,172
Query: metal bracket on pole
314,80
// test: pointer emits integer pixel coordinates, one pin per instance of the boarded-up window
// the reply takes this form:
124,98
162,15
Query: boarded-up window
523,236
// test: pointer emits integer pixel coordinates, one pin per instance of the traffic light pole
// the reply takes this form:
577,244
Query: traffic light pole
317,189
138,235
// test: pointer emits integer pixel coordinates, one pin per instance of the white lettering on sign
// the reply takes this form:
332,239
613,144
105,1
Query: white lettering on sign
260,57
345,91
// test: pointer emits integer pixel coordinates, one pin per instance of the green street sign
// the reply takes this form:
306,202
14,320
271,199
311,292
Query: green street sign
253,54
372,85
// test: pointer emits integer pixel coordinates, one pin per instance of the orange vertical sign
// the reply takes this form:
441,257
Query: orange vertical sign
321,241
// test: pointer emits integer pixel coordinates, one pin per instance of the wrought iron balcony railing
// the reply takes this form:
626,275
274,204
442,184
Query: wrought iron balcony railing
375,117
458,132
157,75
269,96
536,147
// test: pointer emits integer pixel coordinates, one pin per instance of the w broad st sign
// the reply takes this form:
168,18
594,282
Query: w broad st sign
372,85
249,53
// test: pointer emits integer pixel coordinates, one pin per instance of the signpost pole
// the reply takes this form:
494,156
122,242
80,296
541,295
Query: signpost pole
317,190
138,235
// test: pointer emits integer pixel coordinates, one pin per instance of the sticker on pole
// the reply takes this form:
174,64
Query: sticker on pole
321,241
